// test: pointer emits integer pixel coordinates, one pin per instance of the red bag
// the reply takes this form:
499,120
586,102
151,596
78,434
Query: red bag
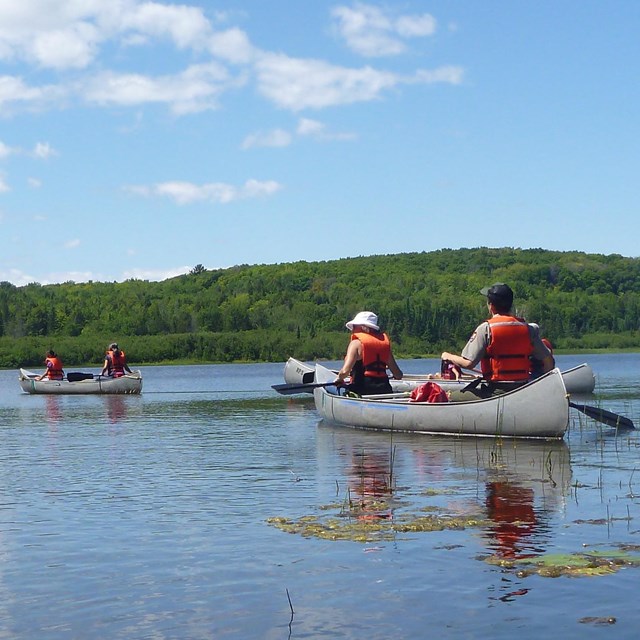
429,392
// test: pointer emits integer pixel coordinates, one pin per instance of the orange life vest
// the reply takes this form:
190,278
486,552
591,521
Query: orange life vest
116,362
54,368
376,352
509,349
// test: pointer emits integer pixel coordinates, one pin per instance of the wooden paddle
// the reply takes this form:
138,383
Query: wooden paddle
604,416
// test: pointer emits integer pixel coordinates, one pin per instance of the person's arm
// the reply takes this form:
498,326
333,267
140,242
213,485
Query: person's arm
473,351
540,350
126,368
394,368
43,375
459,360
353,355
105,367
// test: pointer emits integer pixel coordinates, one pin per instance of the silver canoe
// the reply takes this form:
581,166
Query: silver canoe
578,380
539,409
129,383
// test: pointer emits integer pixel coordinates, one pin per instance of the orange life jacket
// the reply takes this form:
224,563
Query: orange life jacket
509,349
54,368
376,352
116,363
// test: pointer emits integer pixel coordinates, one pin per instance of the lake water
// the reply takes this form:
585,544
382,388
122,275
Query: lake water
205,507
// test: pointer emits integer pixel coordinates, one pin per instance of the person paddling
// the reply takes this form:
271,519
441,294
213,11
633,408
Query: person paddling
368,357
54,370
115,362
503,345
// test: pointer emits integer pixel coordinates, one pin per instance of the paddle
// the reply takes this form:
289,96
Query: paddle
288,389
604,416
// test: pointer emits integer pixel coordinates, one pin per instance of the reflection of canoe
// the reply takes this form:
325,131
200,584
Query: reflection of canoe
577,380
543,465
129,383
539,409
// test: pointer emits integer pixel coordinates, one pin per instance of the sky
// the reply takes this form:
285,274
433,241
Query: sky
139,139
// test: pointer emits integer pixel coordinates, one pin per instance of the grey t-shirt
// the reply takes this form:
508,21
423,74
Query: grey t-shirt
476,347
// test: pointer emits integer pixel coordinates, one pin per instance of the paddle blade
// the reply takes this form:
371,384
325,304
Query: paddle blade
604,416
289,389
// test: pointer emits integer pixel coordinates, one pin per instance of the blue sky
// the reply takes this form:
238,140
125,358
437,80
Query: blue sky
138,139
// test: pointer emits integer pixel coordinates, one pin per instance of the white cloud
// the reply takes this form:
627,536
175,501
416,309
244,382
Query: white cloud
296,84
185,26
274,138
373,32
6,150
74,34
72,244
60,34
155,275
215,192
4,186
34,183
307,127
195,89
232,45
44,150
13,90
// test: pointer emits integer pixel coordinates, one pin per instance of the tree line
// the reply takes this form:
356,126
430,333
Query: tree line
426,301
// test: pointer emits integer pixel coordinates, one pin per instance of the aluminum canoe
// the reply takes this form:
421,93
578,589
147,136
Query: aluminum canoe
539,409
578,380
98,384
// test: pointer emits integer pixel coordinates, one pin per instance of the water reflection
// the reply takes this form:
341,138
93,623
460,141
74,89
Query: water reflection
116,408
513,489
52,410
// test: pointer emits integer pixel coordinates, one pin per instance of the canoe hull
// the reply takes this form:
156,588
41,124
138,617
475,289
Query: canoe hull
539,409
127,384
578,380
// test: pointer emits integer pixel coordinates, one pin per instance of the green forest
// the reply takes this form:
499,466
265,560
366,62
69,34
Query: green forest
426,302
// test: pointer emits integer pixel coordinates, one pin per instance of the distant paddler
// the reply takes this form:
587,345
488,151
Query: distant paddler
54,370
115,362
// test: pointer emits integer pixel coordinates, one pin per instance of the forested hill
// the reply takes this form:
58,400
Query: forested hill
425,301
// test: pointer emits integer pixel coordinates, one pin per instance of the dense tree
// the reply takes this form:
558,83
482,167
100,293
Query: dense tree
426,301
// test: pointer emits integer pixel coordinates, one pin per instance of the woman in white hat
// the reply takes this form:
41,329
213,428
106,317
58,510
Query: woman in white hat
368,357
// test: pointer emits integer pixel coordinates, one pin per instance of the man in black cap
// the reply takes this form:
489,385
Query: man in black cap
503,345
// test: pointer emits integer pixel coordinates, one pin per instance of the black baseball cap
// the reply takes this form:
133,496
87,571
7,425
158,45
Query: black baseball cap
499,294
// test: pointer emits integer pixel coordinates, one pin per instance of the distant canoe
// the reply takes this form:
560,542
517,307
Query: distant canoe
539,409
95,384
577,380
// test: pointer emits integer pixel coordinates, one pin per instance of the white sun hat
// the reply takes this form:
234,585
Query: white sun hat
365,319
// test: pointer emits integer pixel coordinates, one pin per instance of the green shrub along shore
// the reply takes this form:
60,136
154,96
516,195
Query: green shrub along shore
427,302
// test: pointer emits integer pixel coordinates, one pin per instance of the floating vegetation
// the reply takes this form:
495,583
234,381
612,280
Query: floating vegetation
591,563
370,526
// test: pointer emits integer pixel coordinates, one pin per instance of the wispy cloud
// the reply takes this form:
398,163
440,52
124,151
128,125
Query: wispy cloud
374,32
297,84
305,128
61,36
183,193
274,138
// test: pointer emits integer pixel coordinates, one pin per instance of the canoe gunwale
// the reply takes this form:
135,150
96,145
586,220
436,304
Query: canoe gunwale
579,380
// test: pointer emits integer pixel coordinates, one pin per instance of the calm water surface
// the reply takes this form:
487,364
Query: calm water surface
148,517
